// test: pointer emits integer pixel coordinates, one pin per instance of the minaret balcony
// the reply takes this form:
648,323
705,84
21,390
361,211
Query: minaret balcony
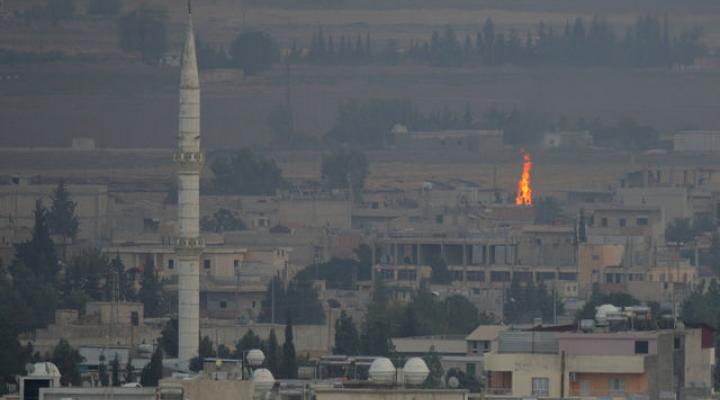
189,159
189,246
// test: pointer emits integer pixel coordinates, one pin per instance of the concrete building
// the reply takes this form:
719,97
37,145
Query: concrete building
17,206
630,364
567,140
389,394
468,140
697,141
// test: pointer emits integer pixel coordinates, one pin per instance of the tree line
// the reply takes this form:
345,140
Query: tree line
37,281
580,42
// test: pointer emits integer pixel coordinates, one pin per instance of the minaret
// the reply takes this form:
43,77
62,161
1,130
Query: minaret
189,160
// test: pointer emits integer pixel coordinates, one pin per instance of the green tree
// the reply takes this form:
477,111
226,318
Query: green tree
300,300
153,371
150,293
115,371
347,339
142,31
169,338
104,7
61,216
11,358
598,298
59,10
206,349
280,122
34,274
343,168
288,365
547,210
461,314
253,51
129,374
440,274
243,172
103,376
272,357
524,301
376,331
434,379
68,360
466,381
409,325
248,341
364,256
221,221
679,230
83,280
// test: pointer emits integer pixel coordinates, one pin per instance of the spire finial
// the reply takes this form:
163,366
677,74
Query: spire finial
189,6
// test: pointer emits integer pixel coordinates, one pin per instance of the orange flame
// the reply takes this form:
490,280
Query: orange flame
524,195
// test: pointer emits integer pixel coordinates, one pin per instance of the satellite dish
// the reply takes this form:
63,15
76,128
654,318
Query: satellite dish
454,382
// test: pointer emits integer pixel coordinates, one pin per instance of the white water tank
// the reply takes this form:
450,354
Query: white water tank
382,371
415,371
255,358
263,380
601,313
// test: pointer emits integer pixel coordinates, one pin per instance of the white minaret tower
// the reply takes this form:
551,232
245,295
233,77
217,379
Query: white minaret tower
189,160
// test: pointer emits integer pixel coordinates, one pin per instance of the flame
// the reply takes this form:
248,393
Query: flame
524,194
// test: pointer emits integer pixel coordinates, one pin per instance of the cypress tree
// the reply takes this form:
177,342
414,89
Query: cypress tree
288,367
271,360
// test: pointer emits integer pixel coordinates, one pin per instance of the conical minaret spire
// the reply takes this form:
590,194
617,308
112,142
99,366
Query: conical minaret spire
189,160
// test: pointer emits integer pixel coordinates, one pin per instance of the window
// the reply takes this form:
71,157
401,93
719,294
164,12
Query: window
544,276
206,264
595,257
677,343
642,221
171,264
223,304
475,276
456,275
567,276
500,276
641,347
541,387
603,222
387,274
616,386
407,275
622,222
236,263
254,303
439,219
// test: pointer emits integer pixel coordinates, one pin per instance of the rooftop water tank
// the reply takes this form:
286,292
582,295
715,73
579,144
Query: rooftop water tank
415,371
601,313
255,358
263,380
382,371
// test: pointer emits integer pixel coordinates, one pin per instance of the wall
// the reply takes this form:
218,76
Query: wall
698,361
200,388
599,384
115,393
105,310
313,339
17,204
604,344
524,367
389,394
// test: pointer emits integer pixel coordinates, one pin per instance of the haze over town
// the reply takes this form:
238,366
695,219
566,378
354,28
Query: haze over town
351,199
